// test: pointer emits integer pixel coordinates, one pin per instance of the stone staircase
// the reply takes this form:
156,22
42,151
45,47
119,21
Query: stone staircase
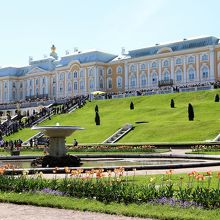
27,142
118,134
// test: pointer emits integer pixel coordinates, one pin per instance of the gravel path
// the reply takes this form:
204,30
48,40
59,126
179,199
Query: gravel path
27,212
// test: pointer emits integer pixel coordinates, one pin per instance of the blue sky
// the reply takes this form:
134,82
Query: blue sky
29,28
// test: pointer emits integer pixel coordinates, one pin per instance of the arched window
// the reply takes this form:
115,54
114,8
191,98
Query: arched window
143,80
205,57
119,69
179,75
154,78
30,83
178,61
61,76
132,68
205,72
191,59
37,92
54,79
75,86
91,84
54,91
13,95
30,92
81,73
166,76
101,83
154,64
143,66
91,72
69,87
109,83
165,63
119,82
81,85
109,71
191,74
21,85
133,81
43,80
75,75
61,88
21,94
69,76
36,81
101,72
44,91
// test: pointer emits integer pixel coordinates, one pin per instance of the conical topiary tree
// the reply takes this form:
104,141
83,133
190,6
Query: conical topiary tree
190,112
216,98
96,108
131,105
97,118
172,104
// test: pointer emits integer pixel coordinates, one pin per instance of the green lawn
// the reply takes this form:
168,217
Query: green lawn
164,124
135,210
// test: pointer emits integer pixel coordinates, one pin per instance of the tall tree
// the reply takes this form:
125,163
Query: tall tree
190,112
216,98
172,104
97,118
131,105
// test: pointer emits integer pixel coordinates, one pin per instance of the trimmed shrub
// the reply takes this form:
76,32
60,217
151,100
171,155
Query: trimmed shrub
131,106
172,104
190,112
96,108
97,118
216,98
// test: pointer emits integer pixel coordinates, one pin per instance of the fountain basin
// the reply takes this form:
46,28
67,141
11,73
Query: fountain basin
58,131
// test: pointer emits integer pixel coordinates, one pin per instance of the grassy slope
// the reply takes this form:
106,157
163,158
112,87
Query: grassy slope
164,124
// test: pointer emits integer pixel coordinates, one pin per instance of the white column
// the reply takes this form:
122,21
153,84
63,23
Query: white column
148,75
184,69
85,80
138,77
57,85
212,66
172,69
95,73
197,69
159,74
126,76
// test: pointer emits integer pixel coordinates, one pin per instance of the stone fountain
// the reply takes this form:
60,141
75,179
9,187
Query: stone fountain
57,150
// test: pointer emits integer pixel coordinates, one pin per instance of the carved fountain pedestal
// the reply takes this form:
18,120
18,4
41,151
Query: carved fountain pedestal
57,150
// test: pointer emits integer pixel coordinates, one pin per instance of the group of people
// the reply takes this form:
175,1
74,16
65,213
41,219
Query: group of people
11,145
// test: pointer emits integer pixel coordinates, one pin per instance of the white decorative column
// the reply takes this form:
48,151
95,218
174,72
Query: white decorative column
184,69
198,79
172,69
212,64
138,77
160,73
57,85
148,75
96,77
126,76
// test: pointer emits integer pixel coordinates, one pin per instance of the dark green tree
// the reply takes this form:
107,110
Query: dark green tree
190,112
96,108
172,104
216,98
97,118
131,105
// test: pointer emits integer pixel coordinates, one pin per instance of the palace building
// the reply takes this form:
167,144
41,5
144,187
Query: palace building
190,61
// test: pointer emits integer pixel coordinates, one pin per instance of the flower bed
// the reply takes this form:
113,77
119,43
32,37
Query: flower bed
122,148
116,186
205,148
